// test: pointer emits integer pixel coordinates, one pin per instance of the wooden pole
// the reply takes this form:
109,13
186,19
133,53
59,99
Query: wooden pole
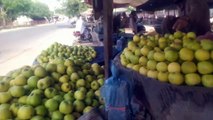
107,14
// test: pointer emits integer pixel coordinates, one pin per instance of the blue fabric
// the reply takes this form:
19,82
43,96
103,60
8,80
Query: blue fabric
117,93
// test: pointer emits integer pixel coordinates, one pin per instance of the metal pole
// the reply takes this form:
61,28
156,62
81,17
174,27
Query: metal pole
107,14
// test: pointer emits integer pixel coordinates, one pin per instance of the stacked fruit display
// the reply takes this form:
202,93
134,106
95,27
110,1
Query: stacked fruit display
60,90
177,58
57,50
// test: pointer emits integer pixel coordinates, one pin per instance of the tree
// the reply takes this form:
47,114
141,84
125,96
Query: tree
15,8
39,11
1,3
2,14
73,7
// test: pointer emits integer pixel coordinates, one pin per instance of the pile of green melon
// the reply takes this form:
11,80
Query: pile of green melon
57,89
177,58
76,53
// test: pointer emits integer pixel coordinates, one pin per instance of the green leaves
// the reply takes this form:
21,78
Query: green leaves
15,8
73,7
39,11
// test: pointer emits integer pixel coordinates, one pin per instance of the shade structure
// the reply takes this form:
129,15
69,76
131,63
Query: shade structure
120,10
146,5
154,5
133,3
122,3
87,12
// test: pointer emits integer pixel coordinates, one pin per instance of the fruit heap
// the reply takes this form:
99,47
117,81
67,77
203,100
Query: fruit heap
57,50
57,91
175,58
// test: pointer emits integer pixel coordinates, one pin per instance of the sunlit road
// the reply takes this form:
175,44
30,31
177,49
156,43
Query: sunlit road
21,46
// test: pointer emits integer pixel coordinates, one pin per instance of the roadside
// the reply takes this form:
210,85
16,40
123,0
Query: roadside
27,56
14,28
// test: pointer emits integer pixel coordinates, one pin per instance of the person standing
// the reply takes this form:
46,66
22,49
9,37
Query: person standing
193,16
133,19
124,20
80,25
116,23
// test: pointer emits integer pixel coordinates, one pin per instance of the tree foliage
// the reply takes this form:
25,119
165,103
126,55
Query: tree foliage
15,8
73,7
39,11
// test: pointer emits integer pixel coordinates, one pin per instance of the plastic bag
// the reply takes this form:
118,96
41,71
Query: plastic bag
117,93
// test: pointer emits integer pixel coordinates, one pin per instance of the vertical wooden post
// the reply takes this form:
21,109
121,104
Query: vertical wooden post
107,14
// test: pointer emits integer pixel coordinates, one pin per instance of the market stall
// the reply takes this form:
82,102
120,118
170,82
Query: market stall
163,100
160,77
54,87
178,92
105,8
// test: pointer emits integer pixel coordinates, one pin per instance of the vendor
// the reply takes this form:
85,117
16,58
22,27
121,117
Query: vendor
193,16
124,20
116,23
133,19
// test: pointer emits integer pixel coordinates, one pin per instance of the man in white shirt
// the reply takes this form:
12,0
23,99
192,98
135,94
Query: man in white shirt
80,25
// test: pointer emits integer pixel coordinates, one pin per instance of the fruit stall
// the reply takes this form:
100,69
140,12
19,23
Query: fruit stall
171,78
63,84
172,73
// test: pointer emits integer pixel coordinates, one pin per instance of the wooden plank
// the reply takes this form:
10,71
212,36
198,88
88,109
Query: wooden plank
107,14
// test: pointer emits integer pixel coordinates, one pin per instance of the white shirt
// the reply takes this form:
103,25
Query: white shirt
80,25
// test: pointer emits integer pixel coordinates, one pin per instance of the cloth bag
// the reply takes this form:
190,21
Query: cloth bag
117,93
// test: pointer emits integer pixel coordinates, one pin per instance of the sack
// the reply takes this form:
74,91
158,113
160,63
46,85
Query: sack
117,93
94,114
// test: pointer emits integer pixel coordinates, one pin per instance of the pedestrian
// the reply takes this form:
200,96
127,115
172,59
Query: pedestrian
80,25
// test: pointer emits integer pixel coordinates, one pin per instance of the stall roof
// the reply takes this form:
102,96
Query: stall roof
146,5
120,10
154,5
133,3
87,12
123,3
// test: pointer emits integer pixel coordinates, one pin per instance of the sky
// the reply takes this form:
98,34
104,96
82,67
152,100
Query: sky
52,4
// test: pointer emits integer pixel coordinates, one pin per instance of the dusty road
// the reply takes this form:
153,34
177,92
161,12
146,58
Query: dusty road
19,47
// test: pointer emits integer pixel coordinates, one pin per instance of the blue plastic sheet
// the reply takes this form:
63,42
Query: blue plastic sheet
117,93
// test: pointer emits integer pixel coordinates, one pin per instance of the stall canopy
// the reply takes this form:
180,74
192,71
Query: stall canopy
210,2
122,3
87,12
146,5
133,3
154,5
120,10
